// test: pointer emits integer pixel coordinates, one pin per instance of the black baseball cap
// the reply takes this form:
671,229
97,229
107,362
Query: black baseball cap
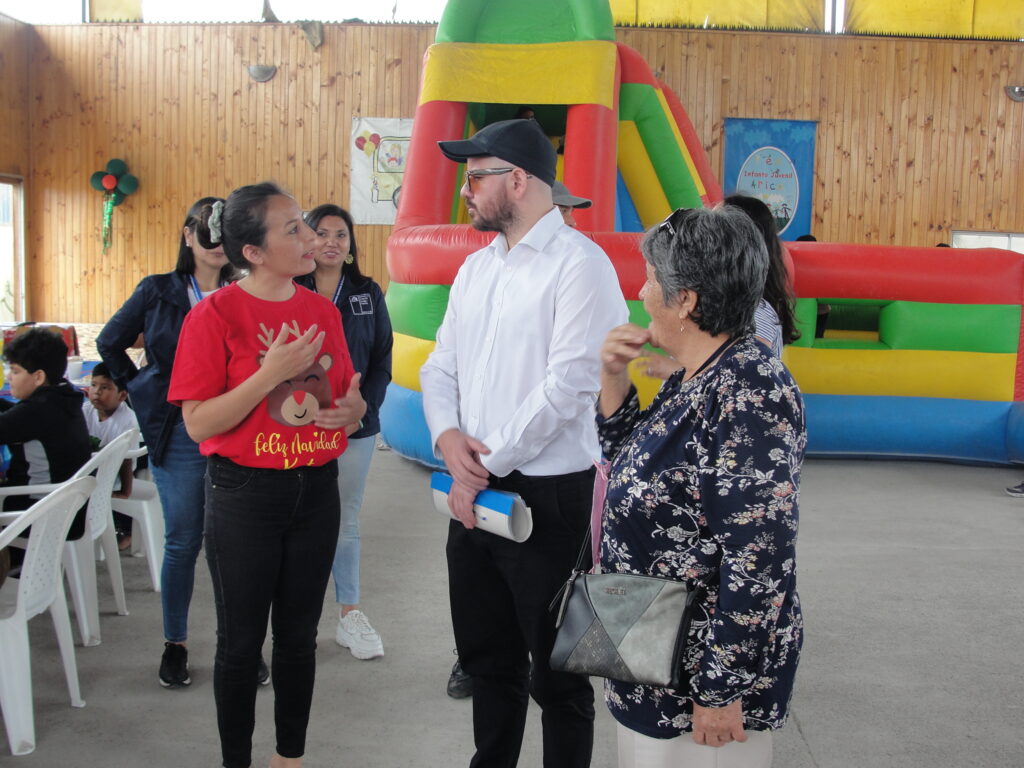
520,142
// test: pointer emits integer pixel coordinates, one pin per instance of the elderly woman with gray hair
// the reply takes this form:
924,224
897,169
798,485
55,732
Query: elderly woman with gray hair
703,489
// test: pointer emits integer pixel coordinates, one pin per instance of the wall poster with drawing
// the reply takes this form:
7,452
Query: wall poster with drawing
380,146
773,160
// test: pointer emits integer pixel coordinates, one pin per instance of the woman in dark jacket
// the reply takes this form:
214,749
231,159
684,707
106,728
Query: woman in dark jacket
156,310
368,333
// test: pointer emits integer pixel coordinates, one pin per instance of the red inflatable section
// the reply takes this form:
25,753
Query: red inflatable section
634,68
432,255
591,137
941,275
430,181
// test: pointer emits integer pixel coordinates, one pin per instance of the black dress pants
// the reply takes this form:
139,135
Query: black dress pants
270,540
499,592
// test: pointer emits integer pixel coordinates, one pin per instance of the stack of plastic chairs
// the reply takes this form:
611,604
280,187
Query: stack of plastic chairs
37,589
80,556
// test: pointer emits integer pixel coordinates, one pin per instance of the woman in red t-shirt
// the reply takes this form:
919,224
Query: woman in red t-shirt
267,389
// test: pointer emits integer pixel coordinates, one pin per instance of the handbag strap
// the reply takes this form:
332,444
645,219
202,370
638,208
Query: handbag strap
596,510
603,467
592,538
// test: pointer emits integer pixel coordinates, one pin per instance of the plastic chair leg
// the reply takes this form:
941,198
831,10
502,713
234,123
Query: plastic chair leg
80,569
152,527
62,626
108,542
16,685
147,533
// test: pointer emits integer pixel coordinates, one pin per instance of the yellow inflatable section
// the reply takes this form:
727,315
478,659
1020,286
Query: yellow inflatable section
773,14
902,372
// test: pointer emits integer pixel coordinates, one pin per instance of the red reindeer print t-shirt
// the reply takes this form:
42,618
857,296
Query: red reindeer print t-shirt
223,342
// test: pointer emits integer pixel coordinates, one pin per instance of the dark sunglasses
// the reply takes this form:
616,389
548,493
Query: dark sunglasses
472,176
673,220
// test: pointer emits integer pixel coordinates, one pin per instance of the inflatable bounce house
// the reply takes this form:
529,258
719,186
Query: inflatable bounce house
925,358
922,358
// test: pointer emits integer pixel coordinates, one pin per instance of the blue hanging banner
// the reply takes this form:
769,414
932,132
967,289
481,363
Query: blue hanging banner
773,160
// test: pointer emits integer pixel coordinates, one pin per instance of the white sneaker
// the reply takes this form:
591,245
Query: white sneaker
356,634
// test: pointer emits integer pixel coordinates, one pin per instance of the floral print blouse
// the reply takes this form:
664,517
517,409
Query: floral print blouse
703,486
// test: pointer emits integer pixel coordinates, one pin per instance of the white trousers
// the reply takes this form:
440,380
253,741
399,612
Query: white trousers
639,751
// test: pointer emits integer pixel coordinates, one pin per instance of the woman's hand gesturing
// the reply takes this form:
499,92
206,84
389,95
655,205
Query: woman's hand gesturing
347,411
621,345
285,359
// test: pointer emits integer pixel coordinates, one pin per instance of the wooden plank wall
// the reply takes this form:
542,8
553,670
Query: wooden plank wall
14,98
915,138
177,104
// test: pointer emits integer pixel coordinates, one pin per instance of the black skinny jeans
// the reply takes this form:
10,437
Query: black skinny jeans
270,540
499,593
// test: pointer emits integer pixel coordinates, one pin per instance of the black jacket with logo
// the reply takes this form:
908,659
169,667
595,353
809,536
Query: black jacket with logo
48,440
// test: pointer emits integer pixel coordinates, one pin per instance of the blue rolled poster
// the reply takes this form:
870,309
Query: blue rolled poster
498,512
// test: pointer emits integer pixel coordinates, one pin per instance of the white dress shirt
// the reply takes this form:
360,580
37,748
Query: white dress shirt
517,361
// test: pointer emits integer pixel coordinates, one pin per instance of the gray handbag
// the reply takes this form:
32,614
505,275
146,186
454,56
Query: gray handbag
619,625
623,626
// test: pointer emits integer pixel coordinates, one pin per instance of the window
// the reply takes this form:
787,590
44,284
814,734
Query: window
1004,240
12,238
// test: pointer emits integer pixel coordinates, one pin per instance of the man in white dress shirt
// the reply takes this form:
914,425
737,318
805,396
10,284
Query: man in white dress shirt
509,395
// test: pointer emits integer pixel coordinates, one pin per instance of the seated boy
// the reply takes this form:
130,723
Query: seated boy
45,430
107,415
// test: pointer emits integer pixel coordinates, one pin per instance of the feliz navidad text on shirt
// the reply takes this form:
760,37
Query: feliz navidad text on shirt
292,451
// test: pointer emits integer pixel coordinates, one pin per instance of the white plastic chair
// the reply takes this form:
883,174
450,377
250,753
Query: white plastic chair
80,556
143,507
37,589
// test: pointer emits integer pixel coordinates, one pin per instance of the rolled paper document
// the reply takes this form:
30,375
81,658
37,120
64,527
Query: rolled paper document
498,512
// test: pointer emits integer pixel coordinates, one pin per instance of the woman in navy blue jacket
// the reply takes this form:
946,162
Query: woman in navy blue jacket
156,310
368,333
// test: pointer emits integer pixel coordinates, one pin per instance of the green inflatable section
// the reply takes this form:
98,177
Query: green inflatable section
956,327
637,314
640,103
525,22
990,328
417,310
805,313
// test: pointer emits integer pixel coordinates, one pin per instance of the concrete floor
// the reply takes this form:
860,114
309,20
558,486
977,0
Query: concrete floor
911,577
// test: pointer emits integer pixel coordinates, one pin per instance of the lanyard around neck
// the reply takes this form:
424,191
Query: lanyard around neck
195,287
337,291
714,354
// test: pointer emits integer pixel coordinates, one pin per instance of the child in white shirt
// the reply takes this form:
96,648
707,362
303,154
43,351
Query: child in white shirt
107,415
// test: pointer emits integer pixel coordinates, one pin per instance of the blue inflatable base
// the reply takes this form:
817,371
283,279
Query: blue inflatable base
838,426
404,428
970,431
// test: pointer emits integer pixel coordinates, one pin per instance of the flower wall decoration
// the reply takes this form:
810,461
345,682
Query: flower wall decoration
115,183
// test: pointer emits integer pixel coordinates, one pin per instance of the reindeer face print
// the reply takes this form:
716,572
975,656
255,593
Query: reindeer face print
296,402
